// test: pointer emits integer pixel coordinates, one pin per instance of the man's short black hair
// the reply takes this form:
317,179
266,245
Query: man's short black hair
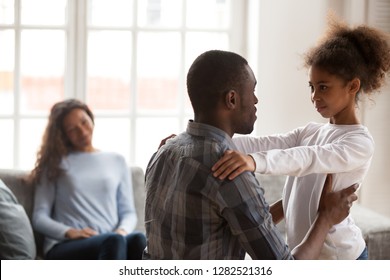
214,73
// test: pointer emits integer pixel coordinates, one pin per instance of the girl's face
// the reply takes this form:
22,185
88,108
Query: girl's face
78,127
332,97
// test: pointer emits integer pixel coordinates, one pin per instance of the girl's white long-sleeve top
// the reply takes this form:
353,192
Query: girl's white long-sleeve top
307,154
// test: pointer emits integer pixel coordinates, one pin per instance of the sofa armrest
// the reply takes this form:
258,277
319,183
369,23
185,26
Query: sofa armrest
138,180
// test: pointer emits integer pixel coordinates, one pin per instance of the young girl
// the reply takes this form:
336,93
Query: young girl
348,62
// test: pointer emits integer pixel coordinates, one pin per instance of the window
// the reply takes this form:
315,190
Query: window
127,59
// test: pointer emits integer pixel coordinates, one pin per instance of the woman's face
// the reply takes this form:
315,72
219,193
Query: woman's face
78,127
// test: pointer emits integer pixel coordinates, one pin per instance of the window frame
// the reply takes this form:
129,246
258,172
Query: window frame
75,73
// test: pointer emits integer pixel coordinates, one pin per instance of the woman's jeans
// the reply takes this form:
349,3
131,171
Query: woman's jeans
107,246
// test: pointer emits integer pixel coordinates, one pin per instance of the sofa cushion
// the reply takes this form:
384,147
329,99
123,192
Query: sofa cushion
16,235
376,231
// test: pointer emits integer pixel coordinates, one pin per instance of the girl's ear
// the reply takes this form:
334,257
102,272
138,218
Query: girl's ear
231,99
354,85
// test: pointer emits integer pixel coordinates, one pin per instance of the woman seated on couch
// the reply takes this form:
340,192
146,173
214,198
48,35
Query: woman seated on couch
84,198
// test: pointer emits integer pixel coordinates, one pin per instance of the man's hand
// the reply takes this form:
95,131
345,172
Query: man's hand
232,164
335,206
80,233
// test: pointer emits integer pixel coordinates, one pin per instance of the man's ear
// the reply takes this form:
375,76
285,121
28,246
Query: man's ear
354,85
231,99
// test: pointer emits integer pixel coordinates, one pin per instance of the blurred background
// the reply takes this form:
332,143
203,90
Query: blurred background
128,59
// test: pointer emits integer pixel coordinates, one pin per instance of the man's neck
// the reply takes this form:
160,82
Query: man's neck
216,123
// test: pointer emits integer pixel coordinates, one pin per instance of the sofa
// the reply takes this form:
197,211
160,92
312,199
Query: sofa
15,181
375,227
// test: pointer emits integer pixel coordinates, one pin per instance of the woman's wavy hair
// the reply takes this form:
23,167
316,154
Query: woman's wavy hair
55,143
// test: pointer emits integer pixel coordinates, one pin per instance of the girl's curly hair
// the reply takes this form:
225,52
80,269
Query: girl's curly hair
359,52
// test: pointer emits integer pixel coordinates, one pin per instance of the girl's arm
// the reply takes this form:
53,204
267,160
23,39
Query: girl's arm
234,162
341,156
251,144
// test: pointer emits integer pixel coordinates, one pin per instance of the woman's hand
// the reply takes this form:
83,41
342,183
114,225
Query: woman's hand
121,231
80,233
232,164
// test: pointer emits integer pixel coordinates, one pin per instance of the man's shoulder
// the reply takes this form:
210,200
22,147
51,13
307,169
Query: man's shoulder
192,146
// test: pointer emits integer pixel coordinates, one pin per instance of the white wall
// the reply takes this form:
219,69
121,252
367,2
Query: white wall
286,30
376,190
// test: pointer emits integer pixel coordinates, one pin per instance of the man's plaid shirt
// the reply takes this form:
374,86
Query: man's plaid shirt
189,214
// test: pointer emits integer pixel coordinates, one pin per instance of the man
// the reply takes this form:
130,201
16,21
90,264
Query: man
189,213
